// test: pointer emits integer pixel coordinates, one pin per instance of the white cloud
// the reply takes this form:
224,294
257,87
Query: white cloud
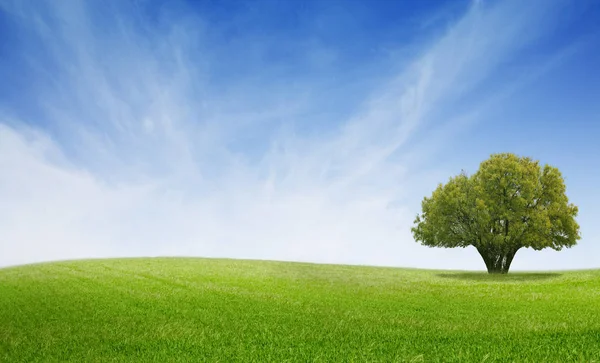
144,160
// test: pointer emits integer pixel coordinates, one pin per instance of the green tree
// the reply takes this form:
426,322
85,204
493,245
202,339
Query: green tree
511,202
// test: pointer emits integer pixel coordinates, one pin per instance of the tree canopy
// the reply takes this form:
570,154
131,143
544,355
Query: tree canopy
511,202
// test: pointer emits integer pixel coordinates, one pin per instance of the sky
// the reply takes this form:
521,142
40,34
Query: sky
282,130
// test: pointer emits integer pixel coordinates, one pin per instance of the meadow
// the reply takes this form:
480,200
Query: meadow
192,310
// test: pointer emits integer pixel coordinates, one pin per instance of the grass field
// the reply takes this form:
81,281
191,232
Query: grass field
186,310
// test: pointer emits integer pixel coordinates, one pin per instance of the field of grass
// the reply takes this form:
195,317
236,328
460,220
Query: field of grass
187,310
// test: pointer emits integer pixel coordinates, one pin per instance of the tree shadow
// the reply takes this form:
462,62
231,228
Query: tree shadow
511,276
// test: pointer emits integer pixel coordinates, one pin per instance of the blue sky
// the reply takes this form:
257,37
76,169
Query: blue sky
304,131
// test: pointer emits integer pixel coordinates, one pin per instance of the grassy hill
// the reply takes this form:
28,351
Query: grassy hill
173,309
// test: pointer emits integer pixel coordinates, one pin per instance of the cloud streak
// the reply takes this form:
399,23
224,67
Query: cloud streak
141,145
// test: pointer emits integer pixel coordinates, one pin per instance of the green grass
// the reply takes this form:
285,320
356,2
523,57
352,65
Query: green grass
172,309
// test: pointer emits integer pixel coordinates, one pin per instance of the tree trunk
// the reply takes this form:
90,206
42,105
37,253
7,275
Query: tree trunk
496,261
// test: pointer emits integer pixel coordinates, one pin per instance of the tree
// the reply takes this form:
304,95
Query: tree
511,202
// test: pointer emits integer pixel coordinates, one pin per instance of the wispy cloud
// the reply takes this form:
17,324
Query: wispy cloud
141,145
